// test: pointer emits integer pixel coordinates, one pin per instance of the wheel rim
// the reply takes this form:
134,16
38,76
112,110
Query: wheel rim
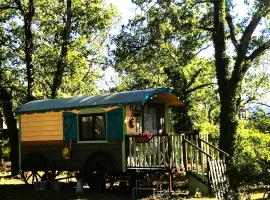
31,177
34,169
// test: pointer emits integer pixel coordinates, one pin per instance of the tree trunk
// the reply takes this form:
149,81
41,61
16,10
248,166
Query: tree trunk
62,60
29,46
12,130
228,124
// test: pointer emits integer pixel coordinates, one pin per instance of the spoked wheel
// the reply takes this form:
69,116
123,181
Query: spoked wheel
30,177
98,168
34,169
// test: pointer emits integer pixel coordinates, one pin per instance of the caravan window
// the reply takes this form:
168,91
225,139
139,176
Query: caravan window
92,126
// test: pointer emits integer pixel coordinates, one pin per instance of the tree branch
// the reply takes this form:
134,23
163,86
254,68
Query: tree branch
259,51
193,77
241,68
259,103
255,19
199,87
19,6
6,7
13,88
232,30
202,49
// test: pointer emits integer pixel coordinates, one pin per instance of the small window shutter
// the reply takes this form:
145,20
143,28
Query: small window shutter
115,125
70,126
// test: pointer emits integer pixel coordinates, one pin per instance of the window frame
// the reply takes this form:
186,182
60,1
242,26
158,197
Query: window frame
80,116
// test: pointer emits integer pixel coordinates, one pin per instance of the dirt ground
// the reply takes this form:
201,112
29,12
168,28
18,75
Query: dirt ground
14,188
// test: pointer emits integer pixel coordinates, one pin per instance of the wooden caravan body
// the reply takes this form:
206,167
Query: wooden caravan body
89,126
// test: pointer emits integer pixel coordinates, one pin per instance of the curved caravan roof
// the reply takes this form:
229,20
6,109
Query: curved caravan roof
139,97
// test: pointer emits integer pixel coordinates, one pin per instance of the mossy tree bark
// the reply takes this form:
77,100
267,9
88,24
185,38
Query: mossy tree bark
230,81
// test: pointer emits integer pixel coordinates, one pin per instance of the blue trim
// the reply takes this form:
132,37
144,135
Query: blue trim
161,91
136,97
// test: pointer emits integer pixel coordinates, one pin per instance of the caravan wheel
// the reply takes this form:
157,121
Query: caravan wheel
34,169
98,168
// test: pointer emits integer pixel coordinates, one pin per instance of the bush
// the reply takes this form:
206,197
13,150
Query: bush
251,162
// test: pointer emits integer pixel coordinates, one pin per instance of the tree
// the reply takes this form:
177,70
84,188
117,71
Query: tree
10,84
230,75
48,46
27,11
62,60
152,51
211,20
72,37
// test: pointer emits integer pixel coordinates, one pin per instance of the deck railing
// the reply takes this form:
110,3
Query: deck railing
154,152
186,152
198,151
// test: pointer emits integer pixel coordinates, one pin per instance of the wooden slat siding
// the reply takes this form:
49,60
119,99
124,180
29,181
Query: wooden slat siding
30,129
43,138
39,117
48,122
42,126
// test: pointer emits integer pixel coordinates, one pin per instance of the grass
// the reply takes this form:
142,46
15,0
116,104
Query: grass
14,188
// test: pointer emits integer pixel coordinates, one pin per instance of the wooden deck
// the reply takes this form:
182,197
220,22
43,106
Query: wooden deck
186,153
179,152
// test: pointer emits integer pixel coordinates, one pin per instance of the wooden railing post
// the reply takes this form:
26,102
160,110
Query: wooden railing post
170,163
184,153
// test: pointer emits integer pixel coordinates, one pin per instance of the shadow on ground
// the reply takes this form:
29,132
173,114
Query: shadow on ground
24,192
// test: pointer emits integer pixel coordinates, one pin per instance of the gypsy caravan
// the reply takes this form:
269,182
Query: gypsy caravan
106,135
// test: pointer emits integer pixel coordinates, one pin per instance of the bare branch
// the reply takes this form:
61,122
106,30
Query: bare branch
259,51
202,49
259,103
232,31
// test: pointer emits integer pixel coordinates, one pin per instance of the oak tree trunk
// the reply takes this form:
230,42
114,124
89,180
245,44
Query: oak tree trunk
28,17
11,123
62,60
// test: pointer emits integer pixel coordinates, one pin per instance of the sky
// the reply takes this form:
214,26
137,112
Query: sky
126,9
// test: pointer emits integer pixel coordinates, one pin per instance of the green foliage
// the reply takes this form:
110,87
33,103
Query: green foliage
6,151
91,22
260,120
87,44
158,48
251,163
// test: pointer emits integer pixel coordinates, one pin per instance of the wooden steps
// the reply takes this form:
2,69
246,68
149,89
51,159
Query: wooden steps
191,154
